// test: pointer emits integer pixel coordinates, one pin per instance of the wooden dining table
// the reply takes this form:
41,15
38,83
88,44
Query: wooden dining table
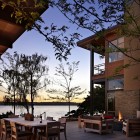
31,125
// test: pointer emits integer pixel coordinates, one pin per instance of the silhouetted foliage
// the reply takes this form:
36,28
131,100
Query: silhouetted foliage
22,76
5,115
67,91
84,107
93,15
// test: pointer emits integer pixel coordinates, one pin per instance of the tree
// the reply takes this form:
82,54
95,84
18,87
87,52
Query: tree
23,76
99,105
92,15
99,99
27,12
97,16
34,71
10,77
67,91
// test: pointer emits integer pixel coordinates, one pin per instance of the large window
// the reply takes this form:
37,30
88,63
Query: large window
111,101
116,84
115,54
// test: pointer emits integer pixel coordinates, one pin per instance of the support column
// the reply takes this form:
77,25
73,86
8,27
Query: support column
106,96
91,82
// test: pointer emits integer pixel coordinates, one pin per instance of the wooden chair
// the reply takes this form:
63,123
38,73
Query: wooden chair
49,118
15,116
131,127
52,131
63,126
42,129
5,129
17,134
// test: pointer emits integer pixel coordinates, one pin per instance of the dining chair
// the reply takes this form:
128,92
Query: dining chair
15,116
49,118
17,134
52,131
5,130
42,129
63,126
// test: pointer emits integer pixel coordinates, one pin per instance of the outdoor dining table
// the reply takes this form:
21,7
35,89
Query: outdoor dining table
32,125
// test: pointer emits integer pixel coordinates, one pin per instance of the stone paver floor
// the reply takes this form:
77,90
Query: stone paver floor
75,133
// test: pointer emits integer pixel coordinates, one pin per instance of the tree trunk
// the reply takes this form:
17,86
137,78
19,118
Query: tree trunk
14,103
69,109
32,101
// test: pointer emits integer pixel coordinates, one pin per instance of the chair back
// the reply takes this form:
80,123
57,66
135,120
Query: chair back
17,133
5,129
49,118
14,130
62,123
63,126
62,120
53,128
4,125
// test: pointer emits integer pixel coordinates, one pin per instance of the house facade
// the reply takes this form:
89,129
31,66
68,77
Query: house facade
120,74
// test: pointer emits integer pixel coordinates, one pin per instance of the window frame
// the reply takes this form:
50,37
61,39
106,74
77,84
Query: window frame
116,53
113,79
111,105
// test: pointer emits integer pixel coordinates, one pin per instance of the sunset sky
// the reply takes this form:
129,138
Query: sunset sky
32,42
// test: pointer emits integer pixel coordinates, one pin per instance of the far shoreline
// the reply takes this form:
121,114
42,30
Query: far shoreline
44,103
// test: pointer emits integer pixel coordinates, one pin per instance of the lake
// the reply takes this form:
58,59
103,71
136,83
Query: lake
56,111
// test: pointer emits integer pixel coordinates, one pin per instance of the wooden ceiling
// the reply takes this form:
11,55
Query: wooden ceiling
97,42
10,31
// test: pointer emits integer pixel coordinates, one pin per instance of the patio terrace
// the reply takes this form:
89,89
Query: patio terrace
75,133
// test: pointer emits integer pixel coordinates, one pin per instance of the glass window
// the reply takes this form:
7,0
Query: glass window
112,57
115,84
114,54
111,101
119,56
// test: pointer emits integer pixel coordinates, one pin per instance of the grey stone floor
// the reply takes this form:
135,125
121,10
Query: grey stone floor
75,133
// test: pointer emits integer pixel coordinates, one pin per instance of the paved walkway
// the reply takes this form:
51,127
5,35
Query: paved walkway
75,133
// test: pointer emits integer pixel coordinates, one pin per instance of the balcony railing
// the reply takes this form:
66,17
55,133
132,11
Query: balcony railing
99,69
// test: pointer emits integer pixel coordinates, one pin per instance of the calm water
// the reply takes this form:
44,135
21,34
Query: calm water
55,111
